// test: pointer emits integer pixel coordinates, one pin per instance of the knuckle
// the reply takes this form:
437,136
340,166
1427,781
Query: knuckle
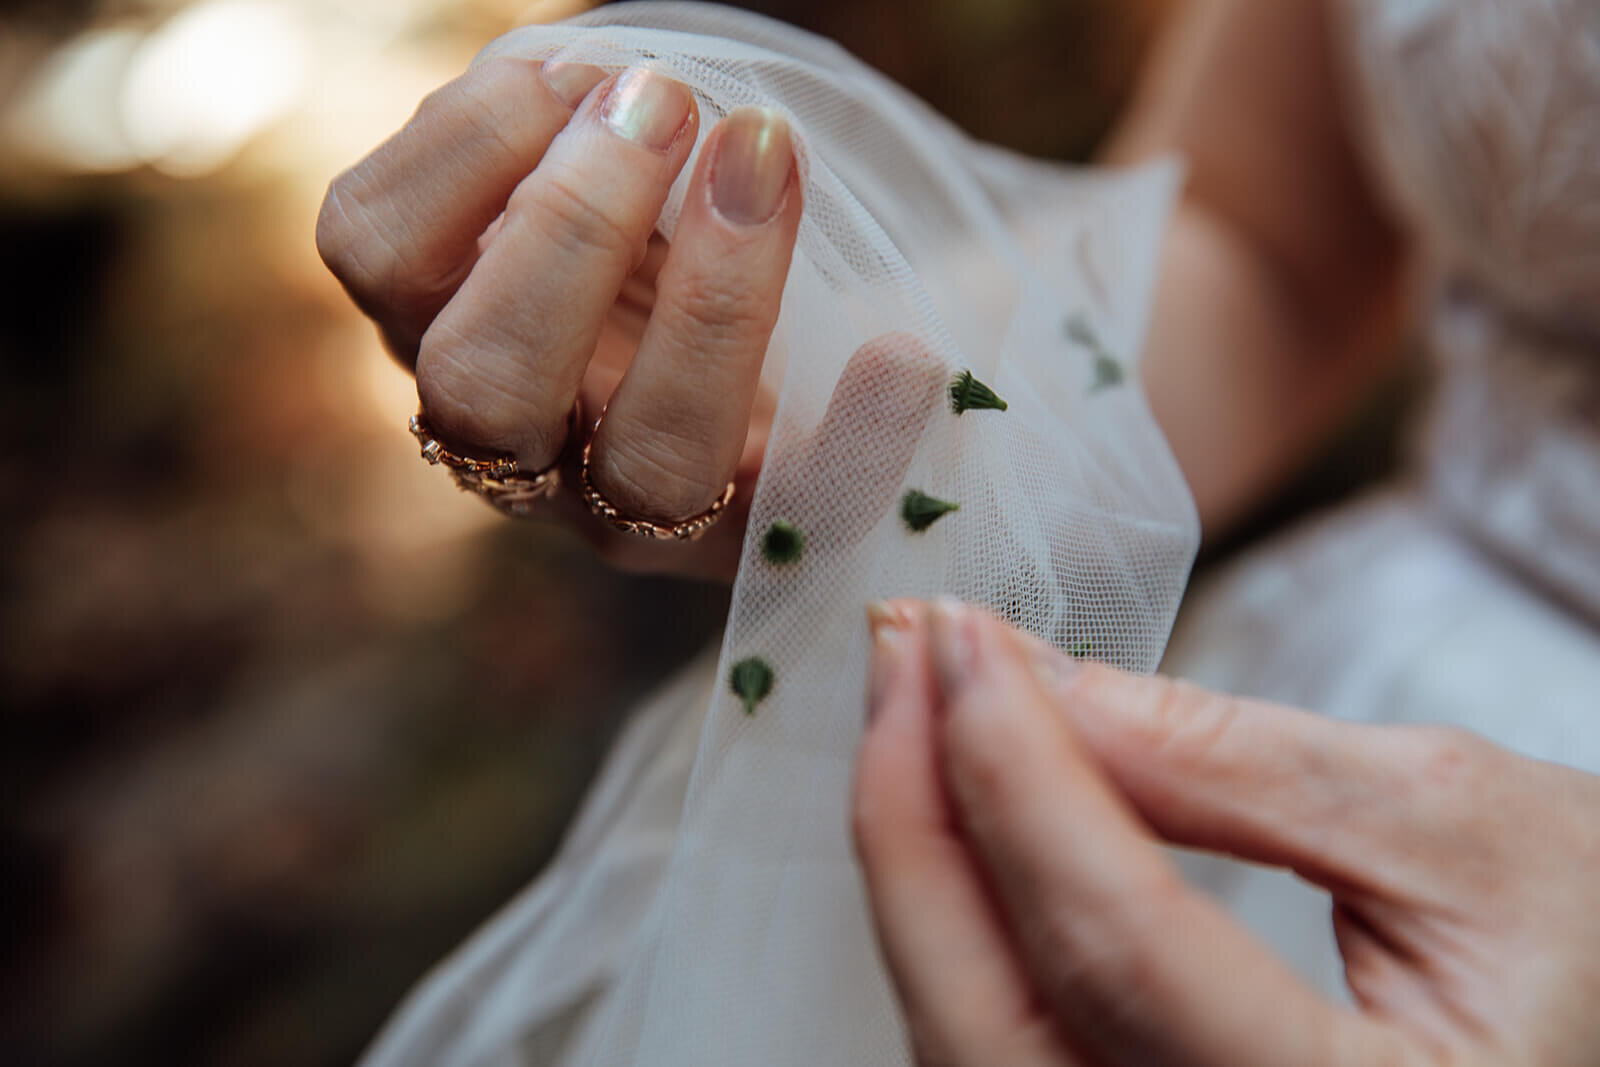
463,404
356,245
716,311
1446,777
1447,760
660,476
1198,722
1184,724
574,221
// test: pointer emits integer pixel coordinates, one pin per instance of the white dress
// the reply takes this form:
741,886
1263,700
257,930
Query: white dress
706,909
1469,593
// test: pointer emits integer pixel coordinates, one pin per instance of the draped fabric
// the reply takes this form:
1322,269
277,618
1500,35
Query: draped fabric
707,908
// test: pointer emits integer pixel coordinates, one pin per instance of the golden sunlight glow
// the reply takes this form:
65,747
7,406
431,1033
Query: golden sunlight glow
68,117
200,87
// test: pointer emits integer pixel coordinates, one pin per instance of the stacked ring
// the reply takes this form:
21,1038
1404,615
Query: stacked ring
503,484
499,481
689,529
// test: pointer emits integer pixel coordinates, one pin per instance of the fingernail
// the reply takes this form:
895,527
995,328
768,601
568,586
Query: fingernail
755,157
647,109
1051,669
882,615
953,645
890,626
571,82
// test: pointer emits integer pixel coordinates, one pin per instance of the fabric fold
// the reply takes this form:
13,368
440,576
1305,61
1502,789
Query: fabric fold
921,254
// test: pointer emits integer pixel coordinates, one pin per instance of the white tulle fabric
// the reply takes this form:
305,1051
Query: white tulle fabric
707,909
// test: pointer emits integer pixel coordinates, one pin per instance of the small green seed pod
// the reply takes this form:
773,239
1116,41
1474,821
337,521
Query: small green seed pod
751,680
1107,373
969,394
920,511
783,543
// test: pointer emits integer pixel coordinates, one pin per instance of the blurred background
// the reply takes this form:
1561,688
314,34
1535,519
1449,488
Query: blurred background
285,716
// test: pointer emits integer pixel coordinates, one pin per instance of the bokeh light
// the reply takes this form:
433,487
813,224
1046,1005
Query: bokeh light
208,80
69,117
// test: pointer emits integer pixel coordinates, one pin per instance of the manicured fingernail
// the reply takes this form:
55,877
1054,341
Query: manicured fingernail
953,644
890,625
1051,669
755,157
648,109
884,616
571,82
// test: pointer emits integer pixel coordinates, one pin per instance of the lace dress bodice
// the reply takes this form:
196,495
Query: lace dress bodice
1483,122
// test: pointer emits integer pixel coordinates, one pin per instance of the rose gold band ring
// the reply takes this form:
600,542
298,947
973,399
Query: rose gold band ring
503,484
689,529
499,481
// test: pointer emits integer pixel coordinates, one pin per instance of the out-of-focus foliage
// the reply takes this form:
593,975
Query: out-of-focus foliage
284,715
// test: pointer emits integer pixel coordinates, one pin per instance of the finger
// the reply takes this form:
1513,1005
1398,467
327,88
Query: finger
1126,955
400,229
499,368
855,458
675,427
1344,805
858,455
965,998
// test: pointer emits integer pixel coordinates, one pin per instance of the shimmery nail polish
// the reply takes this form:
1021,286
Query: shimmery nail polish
881,615
890,629
571,82
755,158
647,109
954,650
1052,671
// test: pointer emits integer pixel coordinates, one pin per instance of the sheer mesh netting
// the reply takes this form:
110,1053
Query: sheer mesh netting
707,908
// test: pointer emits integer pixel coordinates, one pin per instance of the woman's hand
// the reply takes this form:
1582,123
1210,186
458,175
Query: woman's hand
504,243
1009,807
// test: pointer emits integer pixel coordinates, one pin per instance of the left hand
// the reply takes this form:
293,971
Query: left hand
1009,807
504,243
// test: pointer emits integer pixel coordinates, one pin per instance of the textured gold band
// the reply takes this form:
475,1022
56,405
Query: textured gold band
688,530
499,480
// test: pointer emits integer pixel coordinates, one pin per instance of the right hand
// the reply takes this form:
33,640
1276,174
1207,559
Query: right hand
504,243
1009,804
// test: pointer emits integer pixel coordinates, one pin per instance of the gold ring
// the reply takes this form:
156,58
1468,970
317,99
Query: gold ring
688,530
499,481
